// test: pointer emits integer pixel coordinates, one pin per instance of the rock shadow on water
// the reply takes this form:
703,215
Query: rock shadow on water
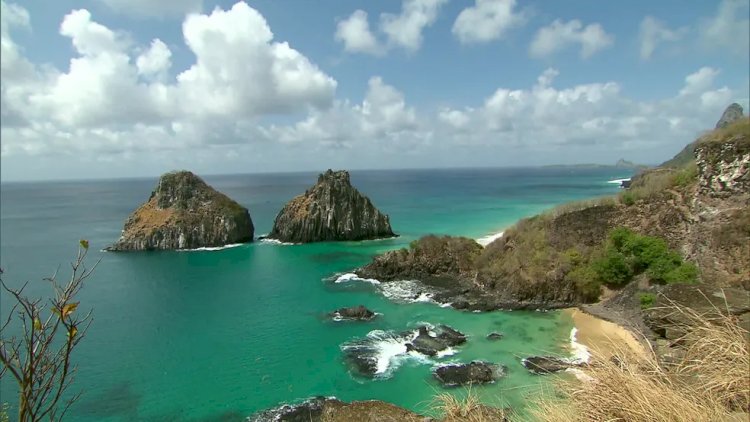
338,256
117,400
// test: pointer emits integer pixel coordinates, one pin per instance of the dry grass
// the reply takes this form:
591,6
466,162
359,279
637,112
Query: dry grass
468,409
711,382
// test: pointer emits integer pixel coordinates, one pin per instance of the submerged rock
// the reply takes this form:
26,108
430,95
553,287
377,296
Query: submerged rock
356,313
331,210
541,365
475,372
494,336
184,212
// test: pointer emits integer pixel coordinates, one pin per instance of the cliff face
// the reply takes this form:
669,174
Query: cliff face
330,210
702,210
184,212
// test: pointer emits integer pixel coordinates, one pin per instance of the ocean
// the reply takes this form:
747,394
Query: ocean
219,334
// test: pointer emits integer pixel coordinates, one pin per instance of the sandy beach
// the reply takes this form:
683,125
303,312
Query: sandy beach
602,337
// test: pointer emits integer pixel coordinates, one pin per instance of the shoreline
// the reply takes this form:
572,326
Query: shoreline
603,338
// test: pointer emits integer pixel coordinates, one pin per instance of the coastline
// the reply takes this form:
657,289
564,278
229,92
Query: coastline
603,338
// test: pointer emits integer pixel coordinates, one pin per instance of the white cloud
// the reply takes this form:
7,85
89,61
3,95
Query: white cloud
653,32
354,32
560,35
108,100
154,8
729,29
400,31
155,62
699,82
405,30
487,20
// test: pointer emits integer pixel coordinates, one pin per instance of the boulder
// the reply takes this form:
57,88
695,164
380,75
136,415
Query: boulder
183,212
356,313
494,336
330,409
475,372
431,343
540,365
330,210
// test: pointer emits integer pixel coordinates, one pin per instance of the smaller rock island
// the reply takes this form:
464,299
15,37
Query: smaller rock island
330,210
184,212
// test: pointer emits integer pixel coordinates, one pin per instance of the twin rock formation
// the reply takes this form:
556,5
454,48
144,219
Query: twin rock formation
184,212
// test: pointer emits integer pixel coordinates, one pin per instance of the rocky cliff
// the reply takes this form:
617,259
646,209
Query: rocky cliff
701,209
330,210
732,113
184,212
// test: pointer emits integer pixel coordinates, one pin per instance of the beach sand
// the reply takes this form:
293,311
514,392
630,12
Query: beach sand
603,338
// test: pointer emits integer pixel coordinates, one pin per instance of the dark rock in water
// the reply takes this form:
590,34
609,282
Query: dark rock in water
475,372
431,344
313,410
494,336
362,354
357,313
331,210
732,113
184,212
541,365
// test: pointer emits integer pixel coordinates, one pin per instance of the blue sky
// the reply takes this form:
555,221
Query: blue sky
113,88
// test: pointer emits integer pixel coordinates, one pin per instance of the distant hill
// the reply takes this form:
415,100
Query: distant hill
621,164
732,113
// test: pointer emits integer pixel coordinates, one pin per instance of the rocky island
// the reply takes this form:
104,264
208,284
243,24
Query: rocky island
183,212
330,210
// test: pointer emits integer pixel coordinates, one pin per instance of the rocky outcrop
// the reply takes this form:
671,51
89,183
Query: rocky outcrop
541,365
495,336
330,409
731,114
475,372
364,355
724,167
184,212
331,210
354,313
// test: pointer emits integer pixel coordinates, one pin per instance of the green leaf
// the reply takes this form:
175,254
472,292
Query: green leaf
84,243
69,308
37,324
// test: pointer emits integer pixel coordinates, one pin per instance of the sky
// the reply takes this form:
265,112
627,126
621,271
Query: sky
136,88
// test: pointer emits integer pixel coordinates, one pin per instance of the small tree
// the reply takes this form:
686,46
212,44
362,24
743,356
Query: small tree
38,354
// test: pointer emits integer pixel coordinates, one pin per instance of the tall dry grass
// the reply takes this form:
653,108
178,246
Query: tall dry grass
711,382
466,409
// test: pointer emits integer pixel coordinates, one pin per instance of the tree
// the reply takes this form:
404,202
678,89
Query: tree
37,352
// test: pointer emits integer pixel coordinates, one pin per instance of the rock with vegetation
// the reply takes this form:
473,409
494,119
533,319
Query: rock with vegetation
330,210
329,409
183,212
354,313
475,372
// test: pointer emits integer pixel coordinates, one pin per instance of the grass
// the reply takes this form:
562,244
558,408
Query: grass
710,383
467,409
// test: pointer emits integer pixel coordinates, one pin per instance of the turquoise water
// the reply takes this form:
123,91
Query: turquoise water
217,335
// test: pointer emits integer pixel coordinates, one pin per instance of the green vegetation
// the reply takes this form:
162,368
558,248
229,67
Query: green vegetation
628,254
647,300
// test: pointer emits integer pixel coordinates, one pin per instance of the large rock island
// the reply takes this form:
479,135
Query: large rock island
331,210
184,212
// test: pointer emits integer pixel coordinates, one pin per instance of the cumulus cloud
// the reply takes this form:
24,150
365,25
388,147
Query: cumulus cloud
108,100
560,35
354,32
399,31
151,8
654,32
487,20
729,28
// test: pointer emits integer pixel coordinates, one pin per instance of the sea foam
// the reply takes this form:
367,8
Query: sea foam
212,248
486,240
617,181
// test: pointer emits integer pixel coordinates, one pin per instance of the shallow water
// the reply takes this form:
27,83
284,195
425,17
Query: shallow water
205,335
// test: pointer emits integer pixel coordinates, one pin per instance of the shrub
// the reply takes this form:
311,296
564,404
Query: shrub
686,273
612,268
627,198
686,175
647,300
587,281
